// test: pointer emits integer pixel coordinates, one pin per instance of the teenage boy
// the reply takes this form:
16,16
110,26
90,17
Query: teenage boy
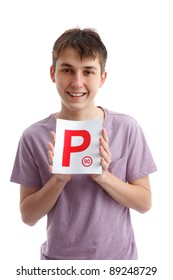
88,215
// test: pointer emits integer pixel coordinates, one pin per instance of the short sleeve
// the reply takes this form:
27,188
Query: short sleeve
25,170
140,161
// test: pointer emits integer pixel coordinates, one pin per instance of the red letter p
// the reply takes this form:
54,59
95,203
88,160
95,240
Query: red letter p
68,149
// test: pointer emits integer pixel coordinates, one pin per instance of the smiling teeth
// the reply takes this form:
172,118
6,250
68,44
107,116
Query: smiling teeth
76,94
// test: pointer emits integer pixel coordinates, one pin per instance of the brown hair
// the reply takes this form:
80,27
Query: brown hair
86,42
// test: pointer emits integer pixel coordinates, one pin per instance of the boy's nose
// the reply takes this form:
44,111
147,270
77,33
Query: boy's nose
77,81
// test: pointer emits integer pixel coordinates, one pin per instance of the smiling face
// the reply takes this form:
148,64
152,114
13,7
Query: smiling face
77,82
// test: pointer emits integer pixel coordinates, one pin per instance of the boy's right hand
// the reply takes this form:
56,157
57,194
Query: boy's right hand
63,177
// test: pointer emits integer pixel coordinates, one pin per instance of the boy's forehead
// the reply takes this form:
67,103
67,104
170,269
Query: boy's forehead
69,55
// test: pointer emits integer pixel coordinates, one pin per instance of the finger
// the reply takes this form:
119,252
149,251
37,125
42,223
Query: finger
50,168
106,156
104,134
104,164
105,146
104,141
50,157
53,136
51,150
50,147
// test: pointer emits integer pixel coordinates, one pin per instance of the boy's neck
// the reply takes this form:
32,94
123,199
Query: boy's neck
96,112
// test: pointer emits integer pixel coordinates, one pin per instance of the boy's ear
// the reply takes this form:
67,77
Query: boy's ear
103,78
52,74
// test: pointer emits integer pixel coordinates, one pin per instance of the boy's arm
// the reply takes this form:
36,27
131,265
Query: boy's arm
135,195
36,203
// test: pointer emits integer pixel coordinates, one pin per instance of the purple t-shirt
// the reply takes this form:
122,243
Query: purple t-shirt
86,223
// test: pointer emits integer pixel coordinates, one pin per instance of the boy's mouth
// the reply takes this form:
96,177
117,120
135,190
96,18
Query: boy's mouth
76,94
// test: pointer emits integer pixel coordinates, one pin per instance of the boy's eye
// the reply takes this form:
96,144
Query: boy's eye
87,72
69,70
66,70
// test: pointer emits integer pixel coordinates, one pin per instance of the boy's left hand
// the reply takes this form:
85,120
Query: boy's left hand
105,153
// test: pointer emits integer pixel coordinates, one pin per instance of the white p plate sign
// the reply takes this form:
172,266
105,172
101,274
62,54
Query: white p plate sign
77,147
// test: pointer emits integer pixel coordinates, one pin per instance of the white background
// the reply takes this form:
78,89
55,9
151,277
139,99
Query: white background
139,39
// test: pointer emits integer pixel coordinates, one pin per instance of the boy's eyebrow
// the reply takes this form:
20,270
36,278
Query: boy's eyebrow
66,65
71,66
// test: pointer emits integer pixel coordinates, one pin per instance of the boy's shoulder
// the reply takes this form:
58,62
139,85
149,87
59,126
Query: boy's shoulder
119,118
41,126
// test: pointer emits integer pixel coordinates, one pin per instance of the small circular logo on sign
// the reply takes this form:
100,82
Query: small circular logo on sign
87,161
